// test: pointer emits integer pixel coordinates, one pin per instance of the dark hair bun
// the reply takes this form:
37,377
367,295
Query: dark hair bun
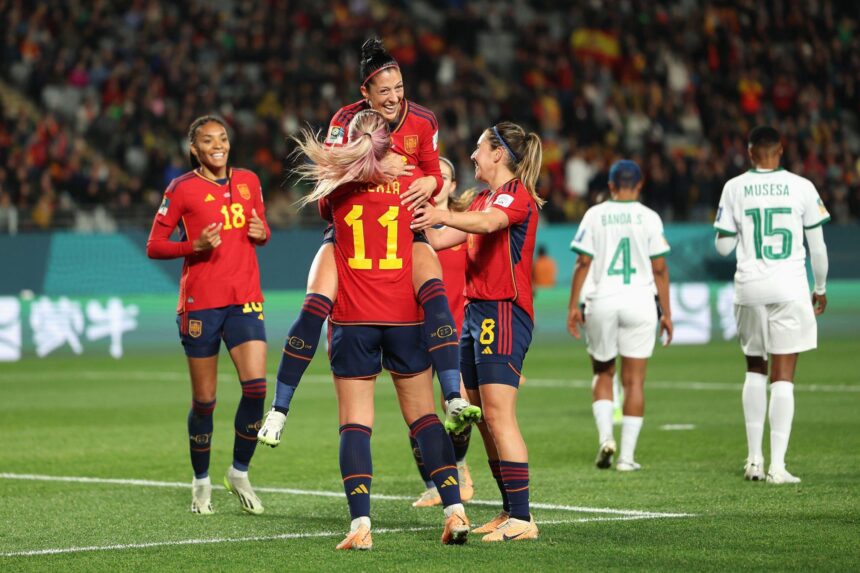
373,57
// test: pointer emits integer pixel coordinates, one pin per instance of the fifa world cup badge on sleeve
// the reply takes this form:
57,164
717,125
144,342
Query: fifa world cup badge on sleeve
244,191
504,200
195,328
165,204
335,134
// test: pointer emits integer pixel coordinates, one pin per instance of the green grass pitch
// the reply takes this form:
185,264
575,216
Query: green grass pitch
93,417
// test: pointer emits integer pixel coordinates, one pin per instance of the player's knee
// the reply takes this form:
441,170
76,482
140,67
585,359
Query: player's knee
757,364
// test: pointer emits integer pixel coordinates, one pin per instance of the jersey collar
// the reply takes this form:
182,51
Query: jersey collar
765,171
212,181
398,122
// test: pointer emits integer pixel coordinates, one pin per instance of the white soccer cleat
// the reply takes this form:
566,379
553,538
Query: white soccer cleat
429,498
605,453
781,476
237,483
628,467
459,414
754,471
270,431
201,496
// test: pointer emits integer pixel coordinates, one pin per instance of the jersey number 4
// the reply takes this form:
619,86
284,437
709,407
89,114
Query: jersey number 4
622,253
770,231
388,220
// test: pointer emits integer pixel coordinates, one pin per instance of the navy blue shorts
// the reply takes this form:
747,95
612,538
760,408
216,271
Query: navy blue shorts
361,350
493,344
201,331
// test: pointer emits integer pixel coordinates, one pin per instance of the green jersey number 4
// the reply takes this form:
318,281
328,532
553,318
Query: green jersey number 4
622,256
769,252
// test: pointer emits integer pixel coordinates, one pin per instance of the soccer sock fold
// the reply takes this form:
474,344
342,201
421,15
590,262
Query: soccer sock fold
461,443
247,421
299,348
356,468
495,469
438,455
441,334
419,461
754,398
603,410
200,436
630,426
781,416
515,476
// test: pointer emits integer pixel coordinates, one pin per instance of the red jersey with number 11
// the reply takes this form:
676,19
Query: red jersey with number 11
373,252
229,273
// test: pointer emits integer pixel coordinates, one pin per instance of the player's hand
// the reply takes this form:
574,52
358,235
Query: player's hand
667,327
419,191
574,319
256,228
394,165
819,303
425,217
209,238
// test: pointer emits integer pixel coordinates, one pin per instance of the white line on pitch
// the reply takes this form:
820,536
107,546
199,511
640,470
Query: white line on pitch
673,427
291,491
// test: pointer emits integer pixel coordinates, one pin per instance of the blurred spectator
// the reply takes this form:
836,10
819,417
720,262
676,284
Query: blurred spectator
545,270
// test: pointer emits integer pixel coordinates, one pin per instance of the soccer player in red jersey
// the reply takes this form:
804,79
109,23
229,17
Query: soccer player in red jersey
221,219
376,322
453,263
414,134
500,230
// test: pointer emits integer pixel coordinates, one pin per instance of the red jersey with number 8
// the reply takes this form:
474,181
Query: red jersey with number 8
373,252
228,274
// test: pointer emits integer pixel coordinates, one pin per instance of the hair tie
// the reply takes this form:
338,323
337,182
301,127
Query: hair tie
505,144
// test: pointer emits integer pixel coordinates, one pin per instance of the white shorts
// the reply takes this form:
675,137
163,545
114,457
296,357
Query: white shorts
625,324
778,328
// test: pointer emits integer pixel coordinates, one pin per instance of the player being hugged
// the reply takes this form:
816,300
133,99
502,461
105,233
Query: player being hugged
499,229
414,135
221,219
621,243
765,213
376,321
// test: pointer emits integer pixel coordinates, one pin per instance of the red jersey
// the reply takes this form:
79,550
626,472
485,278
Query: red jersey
229,273
499,265
453,263
373,252
415,135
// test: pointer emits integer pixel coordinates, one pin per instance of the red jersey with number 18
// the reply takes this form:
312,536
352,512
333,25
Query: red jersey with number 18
373,252
499,265
228,274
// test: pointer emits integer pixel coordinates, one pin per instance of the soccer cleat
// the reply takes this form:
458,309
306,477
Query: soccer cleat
467,487
429,498
456,530
781,476
605,453
459,414
273,425
514,530
359,539
239,486
494,523
627,466
753,471
201,497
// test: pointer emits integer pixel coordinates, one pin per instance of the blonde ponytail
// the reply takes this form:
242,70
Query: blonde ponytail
524,154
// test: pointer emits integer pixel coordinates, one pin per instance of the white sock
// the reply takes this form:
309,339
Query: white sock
363,520
630,426
602,410
781,415
201,481
449,511
754,398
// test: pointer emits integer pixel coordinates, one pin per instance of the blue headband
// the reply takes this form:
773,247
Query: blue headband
505,144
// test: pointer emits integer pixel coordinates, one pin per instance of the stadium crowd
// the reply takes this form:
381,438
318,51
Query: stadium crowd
676,85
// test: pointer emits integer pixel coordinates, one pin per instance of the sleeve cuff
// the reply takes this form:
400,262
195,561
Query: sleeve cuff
818,224
726,232
663,254
576,249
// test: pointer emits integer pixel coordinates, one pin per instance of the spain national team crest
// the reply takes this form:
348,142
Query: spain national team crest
244,191
410,143
195,328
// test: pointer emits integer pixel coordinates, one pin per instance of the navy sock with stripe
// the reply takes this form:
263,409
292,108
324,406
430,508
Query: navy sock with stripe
419,462
441,334
495,469
438,455
200,436
515,476
247,421
299,347
356,468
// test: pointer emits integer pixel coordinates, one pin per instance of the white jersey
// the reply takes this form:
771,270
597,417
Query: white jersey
768,211
622,237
